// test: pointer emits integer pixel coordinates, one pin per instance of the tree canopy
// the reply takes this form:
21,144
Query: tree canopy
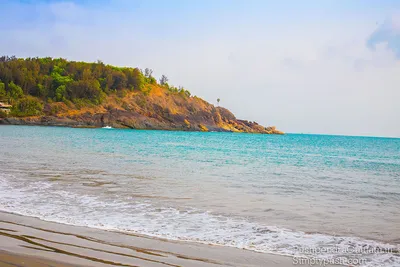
59,79
45,80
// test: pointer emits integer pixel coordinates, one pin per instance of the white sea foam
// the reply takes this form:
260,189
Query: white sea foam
40,199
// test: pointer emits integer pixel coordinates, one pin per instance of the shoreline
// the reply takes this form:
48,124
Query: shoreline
139,129
28,121
29,240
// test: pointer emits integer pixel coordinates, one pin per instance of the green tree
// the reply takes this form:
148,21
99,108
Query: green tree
119,80
89,90
61,93
15,91
148,72
163,80
135,79
27,106
59,79
3,93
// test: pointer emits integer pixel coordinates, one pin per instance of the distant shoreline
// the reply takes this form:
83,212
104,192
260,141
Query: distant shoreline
58,122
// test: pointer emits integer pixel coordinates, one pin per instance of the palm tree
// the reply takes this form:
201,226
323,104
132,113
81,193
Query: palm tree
218,100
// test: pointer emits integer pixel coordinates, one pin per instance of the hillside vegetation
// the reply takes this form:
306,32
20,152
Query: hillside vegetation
47,91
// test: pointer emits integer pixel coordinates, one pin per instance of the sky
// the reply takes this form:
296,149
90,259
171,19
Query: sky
322,66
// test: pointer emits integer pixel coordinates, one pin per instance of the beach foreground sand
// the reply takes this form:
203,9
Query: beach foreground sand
27,241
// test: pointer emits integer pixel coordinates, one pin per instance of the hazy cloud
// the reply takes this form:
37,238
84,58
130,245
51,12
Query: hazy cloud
388,33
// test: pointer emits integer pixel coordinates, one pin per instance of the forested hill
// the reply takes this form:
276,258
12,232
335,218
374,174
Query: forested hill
47,91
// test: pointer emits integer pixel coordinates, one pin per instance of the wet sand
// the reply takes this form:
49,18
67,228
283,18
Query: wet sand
16,260
27,241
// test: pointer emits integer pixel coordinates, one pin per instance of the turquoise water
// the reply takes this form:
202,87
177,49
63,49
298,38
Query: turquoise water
270,193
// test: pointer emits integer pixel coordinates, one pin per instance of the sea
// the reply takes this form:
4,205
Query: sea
301,195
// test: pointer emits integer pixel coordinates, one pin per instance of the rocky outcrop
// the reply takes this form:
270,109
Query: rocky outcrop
159,110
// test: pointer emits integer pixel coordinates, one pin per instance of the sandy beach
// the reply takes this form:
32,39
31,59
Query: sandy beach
27,241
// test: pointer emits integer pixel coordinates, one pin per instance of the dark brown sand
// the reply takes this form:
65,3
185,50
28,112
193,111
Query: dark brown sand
27,241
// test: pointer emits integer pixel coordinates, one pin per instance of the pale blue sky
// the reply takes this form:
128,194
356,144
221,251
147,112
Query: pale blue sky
304,66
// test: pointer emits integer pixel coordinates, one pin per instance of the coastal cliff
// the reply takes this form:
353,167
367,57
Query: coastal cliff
57,92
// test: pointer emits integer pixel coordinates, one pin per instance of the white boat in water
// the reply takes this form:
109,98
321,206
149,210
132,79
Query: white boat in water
107,127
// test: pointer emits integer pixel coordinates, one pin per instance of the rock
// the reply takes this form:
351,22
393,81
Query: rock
164,111
203,128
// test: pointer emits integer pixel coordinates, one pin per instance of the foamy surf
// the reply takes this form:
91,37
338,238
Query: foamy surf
42,200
